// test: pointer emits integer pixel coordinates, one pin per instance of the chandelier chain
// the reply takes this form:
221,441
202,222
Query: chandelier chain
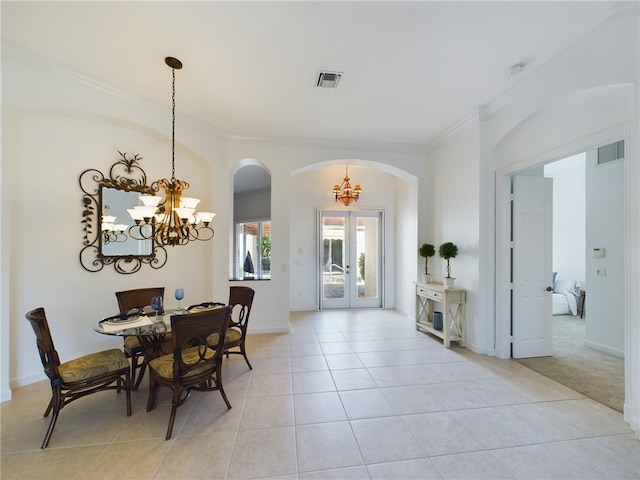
173,126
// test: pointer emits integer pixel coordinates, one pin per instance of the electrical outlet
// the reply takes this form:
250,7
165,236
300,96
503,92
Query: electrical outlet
601,272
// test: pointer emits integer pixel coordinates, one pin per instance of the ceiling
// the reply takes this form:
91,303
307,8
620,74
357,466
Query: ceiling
410,69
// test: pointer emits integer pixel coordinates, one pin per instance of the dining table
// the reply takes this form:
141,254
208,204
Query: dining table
151,330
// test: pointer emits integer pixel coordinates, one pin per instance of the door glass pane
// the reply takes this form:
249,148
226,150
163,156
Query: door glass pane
367,254
333,260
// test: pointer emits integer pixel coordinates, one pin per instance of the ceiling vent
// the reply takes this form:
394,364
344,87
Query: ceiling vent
328,79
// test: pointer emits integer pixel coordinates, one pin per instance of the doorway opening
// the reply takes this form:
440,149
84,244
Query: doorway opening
588,244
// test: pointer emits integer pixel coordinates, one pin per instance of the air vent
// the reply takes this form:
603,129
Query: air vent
328,79
611,152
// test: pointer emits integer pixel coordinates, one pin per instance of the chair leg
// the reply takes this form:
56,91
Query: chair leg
127,390
218,381
244,354
153,394
55,405
52,424
174,407
49,407
142,366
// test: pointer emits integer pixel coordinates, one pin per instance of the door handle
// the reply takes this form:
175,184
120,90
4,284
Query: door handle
549,289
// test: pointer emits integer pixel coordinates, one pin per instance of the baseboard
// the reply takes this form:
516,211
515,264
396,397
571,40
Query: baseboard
633,421
6,395
604,349
268,330
21,382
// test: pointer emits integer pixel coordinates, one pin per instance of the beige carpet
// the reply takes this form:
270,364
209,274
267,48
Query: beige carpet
590,372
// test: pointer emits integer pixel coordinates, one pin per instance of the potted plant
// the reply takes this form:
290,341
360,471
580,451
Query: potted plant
447,251
426,250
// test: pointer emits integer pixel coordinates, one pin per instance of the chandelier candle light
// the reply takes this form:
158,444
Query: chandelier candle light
174,222
344,193
111,231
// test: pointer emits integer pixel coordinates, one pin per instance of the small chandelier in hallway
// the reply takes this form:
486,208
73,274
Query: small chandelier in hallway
344,193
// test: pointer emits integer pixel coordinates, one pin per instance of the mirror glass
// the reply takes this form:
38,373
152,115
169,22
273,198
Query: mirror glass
114,241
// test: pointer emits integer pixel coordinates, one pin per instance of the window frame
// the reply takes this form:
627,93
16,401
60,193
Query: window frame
263,228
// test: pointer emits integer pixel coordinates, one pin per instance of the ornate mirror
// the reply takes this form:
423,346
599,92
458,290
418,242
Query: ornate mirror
111,236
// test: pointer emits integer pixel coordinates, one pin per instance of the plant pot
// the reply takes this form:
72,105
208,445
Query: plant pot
448,281
425,277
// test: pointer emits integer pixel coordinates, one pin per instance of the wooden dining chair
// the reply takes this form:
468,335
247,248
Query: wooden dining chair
240,300
198,307
95,372
128,300
194,364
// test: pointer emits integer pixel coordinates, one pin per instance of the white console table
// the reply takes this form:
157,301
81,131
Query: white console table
452,301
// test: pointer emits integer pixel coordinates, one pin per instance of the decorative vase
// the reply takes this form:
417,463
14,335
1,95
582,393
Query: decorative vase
425,277
448,281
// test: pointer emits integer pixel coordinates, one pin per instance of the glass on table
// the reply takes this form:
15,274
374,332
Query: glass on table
179,297
156,305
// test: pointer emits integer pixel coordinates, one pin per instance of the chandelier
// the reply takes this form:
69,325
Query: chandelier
344,193
113,232
174,221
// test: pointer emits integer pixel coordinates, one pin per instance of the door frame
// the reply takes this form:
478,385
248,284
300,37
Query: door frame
503,175
380,213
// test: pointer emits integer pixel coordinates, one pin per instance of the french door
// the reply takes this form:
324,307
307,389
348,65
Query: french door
350,259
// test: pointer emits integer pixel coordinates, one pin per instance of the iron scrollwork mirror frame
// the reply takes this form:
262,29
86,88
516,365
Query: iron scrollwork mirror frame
125,175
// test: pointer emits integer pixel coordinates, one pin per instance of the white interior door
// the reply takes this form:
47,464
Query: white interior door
532,267
350,259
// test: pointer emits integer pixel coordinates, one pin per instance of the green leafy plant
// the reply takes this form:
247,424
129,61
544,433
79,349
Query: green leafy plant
426,250
361,265
266,246
446,251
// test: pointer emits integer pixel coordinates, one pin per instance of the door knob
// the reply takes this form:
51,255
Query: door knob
549,289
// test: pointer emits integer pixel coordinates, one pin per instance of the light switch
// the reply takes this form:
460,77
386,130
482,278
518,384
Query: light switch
601,272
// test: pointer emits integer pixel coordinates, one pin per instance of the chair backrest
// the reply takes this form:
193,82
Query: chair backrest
193,332
242,296
48,354
204,305
138,298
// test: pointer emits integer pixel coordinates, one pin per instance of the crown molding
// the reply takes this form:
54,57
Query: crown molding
329,143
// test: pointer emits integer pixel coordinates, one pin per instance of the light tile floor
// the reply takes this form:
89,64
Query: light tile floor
344,395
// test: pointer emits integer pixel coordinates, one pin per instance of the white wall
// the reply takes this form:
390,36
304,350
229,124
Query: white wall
453,196
407,264
605,227
569,216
